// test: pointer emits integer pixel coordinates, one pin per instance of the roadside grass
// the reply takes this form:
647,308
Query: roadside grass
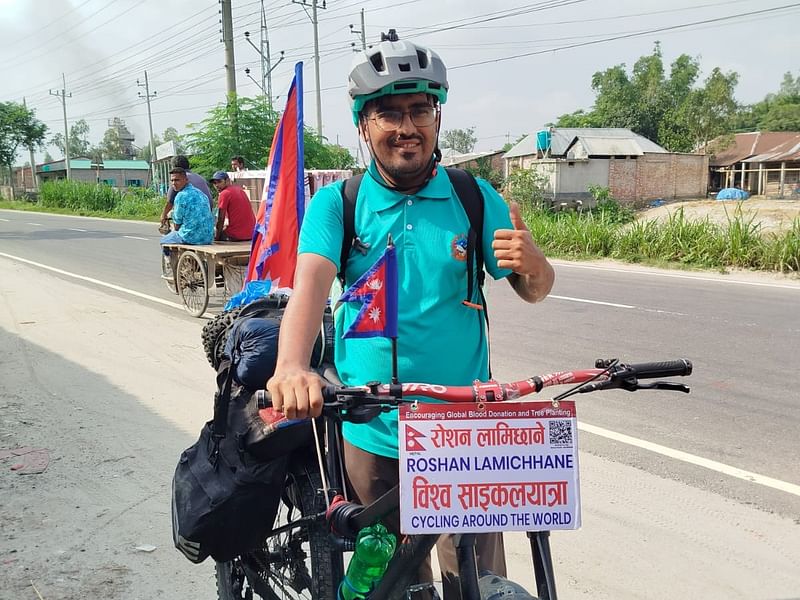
91,200
606,232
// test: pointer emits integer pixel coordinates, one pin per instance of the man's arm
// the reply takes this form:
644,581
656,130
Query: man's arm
515,249
168,204
296,390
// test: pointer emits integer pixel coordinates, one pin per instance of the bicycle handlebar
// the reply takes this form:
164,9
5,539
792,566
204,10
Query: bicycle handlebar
607,374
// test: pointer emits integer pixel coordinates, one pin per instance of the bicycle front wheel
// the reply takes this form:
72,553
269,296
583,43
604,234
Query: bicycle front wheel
298,564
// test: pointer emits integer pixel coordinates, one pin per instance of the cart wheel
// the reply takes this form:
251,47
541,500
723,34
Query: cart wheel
168,273
192,284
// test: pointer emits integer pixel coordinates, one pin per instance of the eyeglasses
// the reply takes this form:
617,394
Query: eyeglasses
392,120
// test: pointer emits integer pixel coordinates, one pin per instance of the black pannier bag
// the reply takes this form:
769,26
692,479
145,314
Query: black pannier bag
224,500
227,486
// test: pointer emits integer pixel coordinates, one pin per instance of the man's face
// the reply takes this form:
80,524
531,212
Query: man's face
220,184
178,181
403,152
236,165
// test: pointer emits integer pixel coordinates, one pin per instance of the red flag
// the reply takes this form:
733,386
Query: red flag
376,289
273,254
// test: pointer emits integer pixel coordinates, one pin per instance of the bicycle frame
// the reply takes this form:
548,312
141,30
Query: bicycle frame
413,550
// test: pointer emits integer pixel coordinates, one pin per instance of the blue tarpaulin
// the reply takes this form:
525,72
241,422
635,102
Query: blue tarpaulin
732,194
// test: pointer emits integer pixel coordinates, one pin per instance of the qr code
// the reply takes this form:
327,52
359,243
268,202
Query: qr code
560,434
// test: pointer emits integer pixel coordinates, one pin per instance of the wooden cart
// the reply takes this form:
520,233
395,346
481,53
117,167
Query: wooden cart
197,272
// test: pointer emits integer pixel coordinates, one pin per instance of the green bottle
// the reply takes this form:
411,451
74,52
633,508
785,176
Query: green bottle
374,548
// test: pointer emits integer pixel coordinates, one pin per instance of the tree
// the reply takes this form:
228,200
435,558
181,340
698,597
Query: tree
461,140
78,140
19,127
47,157
213,141
171,135
667,109
776,112
483,168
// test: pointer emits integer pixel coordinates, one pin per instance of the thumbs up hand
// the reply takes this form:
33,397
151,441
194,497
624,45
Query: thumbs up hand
515,249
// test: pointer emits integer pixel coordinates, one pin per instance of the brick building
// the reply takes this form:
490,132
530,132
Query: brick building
635,169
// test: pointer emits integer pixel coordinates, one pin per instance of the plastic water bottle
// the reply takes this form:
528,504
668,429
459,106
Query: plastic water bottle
374,548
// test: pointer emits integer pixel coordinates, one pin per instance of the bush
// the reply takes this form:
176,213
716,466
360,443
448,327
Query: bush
89,198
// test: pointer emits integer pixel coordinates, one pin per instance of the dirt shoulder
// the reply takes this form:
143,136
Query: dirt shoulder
113,390
772,215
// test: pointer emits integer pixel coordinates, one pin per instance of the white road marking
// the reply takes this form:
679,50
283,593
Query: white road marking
699,461
94,281
134,237
584,300
5,220
676,275
36,224
593,429
75,229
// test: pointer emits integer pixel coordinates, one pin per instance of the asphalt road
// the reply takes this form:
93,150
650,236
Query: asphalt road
705,484
741,333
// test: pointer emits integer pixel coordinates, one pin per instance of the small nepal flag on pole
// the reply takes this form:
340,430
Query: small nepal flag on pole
273,253
376,290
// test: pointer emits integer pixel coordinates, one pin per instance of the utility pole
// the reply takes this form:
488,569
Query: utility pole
227,39
268,90
63,95
147,95
362,33
315,22
33,160
266,59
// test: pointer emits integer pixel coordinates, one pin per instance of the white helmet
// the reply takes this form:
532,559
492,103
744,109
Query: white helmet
395,67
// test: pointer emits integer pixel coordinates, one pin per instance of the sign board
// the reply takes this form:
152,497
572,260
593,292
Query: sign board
477,468
166,150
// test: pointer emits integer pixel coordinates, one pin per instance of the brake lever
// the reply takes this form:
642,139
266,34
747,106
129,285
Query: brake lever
665,385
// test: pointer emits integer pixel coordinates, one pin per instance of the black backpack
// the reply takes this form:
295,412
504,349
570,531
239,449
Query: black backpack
471,199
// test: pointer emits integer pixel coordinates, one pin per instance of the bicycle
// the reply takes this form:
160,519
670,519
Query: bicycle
303,557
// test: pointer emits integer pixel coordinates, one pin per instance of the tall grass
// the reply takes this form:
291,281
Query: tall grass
99,199
605,232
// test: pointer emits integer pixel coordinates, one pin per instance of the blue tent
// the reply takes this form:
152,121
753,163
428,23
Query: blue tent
732,194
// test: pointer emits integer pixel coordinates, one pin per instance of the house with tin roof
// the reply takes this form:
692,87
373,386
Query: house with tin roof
634,168
119,174
760,162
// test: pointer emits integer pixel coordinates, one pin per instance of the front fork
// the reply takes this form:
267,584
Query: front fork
543,565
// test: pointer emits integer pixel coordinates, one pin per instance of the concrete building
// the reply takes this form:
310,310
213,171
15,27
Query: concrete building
635,169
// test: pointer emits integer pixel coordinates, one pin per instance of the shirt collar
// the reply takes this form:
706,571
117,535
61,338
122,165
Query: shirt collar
437,188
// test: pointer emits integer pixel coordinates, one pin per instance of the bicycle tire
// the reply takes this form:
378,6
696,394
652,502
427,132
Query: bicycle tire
297,565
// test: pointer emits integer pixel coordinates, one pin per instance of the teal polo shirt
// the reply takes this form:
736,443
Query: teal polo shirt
440,340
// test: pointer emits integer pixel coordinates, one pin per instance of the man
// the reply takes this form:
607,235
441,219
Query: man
194,223
237,164
396,90
196,180
234,205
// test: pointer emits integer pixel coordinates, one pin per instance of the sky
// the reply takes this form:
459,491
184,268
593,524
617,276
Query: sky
513,66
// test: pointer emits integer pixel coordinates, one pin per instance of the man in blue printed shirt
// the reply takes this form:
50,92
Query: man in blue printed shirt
194,223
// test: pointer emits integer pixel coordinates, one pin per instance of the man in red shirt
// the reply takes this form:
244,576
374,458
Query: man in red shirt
234,205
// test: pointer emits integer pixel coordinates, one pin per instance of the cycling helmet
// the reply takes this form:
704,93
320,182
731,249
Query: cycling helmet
395,67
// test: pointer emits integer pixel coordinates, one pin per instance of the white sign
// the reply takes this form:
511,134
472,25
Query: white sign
476,468
166,150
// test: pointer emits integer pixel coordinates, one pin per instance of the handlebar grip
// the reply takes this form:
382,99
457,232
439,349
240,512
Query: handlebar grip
264,398
668,368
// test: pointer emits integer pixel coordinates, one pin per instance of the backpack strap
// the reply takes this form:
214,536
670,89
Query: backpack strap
349,197
471,198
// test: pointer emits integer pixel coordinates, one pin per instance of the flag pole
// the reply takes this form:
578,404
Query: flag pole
395,379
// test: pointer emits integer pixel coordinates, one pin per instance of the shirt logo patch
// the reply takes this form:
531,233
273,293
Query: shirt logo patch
458,247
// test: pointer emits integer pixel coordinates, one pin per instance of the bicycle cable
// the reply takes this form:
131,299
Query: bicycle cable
574,390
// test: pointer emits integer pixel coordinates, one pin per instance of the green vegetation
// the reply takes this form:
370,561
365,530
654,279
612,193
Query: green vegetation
88,199
611,231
